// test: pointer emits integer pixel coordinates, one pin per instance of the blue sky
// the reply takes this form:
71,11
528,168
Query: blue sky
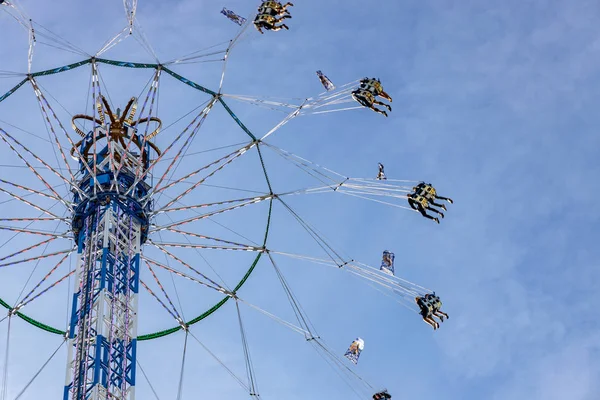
494,104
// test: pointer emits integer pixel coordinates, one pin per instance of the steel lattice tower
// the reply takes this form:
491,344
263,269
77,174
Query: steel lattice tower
110,223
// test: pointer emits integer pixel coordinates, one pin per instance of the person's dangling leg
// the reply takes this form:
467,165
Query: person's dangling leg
449,200
276,28
423,212
378,110
385,96
442,206
435,211
443,313
433,323
429,322
382,104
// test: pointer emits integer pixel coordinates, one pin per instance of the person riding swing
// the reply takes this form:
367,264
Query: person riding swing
421,204
426,311
269,14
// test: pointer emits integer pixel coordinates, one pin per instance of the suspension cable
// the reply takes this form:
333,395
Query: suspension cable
40,370
147,380
249,367
180,387
5,372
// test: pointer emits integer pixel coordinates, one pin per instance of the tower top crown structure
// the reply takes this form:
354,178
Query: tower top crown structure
115,128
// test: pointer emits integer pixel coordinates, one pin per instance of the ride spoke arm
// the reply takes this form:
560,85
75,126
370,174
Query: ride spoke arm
199,236
58,264
161,287
42,100
216,286
56,253
210,214
159,300
232,156
48,288
200,118
32,219
23,200
25,250
218,203
96,95
3,133
43,103
35,232
30,190
181,274
203,246
74,147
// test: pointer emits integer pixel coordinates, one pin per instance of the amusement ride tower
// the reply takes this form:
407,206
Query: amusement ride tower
110,221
